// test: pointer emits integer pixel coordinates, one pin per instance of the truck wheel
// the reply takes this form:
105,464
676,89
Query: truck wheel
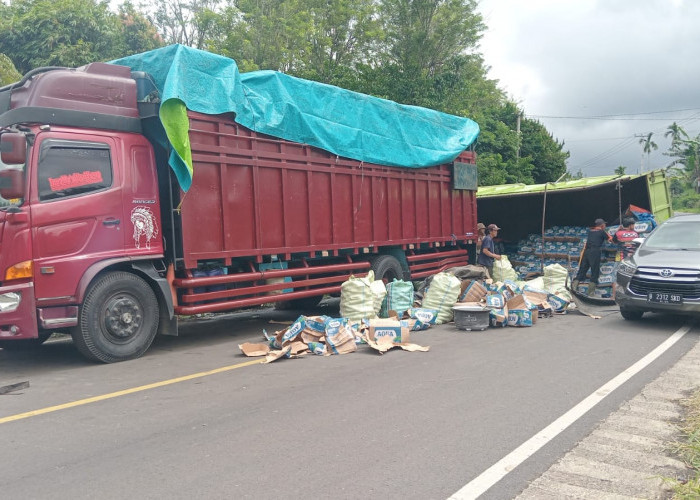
631,314
24,344
387,268
118,319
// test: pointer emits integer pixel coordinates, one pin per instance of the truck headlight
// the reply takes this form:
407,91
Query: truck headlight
9,301
627,268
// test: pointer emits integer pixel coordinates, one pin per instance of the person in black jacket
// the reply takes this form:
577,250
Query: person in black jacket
597,236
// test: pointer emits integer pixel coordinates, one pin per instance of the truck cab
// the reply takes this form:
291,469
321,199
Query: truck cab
79,207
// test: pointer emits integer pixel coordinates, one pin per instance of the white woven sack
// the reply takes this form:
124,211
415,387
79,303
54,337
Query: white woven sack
361,298
503,270
554,277
442,294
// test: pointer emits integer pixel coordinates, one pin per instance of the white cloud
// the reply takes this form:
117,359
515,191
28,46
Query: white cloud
576,58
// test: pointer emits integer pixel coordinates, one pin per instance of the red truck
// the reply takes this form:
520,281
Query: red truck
98,240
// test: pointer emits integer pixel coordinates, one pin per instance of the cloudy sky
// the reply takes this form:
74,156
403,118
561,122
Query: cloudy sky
599,73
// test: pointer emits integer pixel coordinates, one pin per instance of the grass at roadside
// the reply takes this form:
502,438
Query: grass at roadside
689,450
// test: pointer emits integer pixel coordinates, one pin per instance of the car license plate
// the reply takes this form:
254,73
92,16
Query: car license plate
665,298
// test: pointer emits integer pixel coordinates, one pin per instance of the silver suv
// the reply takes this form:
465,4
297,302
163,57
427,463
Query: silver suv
663,275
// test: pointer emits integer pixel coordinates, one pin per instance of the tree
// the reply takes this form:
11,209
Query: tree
620,170
71,32
267,34
57,32
8,73
137,33
676,132
547,154
344,34
194,23
424,35
648,146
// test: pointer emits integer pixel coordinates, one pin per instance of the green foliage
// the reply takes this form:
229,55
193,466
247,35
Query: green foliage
268,34
138,33
548,157
8,73
194,23
620,170
688,450
70,32
57,32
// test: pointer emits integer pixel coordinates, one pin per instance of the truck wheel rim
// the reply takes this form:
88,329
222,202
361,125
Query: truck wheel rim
123,318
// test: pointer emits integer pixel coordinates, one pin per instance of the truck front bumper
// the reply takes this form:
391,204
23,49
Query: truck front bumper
18,312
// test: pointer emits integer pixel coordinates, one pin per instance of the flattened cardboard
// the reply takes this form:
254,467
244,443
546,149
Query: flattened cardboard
254,350
298,347
385,346
275,355
340,337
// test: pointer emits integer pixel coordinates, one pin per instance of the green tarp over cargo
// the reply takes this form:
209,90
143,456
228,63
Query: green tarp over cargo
346,123
519,209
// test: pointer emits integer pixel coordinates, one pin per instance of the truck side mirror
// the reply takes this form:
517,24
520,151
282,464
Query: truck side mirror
12,183
13,148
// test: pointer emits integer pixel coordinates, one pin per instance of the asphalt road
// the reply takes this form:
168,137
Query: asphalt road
403,425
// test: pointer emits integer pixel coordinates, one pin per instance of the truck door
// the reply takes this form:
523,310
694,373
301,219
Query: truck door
76,210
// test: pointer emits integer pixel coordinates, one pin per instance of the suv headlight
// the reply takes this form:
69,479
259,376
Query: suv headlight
627,268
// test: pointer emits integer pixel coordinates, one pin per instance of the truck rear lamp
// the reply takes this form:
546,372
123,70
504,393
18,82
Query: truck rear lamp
21,270
9,301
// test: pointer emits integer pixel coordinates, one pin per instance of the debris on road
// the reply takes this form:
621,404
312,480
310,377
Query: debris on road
7,389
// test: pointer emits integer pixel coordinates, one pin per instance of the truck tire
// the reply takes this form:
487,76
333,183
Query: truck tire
118,319
631,314
24,344
387,268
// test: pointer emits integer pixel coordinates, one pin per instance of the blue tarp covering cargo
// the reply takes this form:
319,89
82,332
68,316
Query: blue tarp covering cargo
346,123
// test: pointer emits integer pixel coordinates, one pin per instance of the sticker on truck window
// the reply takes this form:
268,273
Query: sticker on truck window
145,227
77,179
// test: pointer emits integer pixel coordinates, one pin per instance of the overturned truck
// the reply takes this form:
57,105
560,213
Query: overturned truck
521,209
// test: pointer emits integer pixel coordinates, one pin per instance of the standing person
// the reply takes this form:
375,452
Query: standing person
591,256
488,250
480,237
625,236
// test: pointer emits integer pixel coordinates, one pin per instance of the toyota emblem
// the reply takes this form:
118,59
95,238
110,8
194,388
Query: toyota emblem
665,273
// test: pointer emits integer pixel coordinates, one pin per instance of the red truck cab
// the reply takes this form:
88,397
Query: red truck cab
79,202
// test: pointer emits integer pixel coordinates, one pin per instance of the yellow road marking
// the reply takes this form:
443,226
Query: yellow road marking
125,392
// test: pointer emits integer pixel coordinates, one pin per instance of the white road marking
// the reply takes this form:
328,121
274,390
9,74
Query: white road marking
500,469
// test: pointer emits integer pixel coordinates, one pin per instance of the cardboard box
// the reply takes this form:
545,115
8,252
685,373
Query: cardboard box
499,317
472,291
536,298
388,331
520,312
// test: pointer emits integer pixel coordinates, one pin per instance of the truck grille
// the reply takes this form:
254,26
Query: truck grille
684,281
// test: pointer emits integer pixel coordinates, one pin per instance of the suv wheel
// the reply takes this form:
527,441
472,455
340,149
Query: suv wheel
631,314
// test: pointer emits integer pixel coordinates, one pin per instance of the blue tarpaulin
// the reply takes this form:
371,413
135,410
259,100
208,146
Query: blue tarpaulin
346,123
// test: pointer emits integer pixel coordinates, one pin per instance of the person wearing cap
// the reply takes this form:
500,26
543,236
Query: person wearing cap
590,259
482,233
625,237
488,250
